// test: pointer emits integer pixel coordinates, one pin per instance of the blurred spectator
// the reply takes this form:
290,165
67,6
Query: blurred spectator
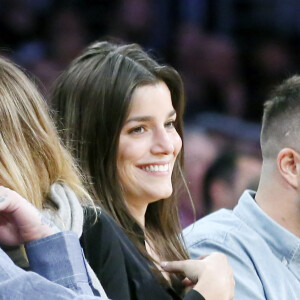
189,61
199,152
205,139
134,21
228,176
20,20
211,72
269,63
223,83
230,132
229,53
67,37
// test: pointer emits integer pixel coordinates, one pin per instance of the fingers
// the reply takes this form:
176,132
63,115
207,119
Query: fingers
24,217
13,203
184,265
205,274
173,266
192,269
187,282
7,199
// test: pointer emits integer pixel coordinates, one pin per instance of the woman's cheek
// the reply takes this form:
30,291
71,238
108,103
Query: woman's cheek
177,143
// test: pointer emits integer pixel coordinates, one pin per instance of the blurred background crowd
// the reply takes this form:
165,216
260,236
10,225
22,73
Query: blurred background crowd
230,53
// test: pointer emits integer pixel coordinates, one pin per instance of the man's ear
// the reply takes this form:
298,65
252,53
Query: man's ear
288,162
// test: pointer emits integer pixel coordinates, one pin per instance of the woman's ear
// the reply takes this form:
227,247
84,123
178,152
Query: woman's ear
288,162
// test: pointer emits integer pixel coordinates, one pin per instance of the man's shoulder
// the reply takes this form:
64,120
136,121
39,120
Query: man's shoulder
220,227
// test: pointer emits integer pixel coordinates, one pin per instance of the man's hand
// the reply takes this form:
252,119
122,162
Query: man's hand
212,276
20,221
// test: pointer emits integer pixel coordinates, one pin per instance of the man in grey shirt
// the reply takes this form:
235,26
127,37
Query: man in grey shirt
261,236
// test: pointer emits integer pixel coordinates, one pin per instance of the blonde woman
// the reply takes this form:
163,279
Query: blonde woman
33,162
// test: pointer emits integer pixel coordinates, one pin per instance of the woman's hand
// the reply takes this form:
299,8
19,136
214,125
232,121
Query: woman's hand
212,275
20,221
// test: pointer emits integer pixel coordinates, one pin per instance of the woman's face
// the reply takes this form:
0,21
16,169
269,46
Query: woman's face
148,145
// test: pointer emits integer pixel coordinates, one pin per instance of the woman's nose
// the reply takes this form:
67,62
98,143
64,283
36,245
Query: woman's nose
162,142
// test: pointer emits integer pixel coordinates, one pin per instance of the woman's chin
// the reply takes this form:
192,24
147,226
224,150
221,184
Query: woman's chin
161,195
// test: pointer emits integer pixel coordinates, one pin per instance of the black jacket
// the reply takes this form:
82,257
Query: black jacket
123,272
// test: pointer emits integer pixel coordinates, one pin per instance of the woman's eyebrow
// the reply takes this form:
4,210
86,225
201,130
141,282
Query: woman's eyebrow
139,119
147,118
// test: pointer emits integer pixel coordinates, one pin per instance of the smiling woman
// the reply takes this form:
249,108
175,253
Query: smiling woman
121,112
148,148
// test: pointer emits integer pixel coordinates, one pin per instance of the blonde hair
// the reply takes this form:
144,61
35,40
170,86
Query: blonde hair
32,157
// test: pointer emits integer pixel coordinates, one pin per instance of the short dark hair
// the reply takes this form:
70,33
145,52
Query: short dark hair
281,119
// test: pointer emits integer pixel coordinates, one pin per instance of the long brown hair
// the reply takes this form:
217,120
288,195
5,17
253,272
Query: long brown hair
32,156
92,99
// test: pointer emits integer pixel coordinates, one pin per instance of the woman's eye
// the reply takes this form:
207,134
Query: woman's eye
170,124
139,129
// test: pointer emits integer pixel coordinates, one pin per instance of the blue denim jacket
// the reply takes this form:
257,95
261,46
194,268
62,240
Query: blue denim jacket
264,255
59,259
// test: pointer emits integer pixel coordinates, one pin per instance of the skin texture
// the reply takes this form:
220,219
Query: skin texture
211,276
278,193
148,138
20,221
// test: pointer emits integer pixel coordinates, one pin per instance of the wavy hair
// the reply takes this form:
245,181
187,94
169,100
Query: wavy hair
32,156
92,99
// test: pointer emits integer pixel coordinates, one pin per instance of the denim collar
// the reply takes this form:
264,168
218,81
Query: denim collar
284,244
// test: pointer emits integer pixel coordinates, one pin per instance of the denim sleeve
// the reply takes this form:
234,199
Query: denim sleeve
16,283
248,285
60,259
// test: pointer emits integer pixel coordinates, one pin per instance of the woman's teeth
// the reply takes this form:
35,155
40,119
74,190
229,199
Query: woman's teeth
157,168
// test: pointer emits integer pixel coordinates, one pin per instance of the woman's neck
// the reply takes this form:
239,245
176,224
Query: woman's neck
156,259
138,211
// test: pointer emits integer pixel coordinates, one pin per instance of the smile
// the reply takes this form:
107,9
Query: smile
156,168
